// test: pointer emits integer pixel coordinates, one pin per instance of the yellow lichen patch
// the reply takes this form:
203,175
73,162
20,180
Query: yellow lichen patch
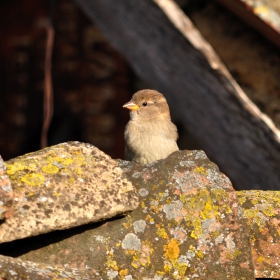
33,179
143,204
260,259
50,169
160,273
172,250
111,263
199,254
167,268
11,169
126,225
161,195
234,254
62,160
200,170
183,198
197,232
79,160
79,171
207,212
168,200
182,268
254,216
136,260
269,211
70,181
215,234
150,219
220,194
123,272
241,200
162,233
154,187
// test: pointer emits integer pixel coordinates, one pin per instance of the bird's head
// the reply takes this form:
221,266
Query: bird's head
146,105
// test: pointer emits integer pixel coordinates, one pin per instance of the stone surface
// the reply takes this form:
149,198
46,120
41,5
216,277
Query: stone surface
64,186
15,269
189,225
262,213
6,193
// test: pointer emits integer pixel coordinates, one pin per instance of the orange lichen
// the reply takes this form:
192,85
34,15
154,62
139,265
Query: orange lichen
172,250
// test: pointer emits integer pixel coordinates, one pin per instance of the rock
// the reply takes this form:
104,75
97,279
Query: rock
6,193
65,186
15,269
262,214
189,224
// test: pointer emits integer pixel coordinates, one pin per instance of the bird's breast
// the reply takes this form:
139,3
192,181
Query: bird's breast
150,141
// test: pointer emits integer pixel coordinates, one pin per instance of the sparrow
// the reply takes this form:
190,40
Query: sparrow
149,135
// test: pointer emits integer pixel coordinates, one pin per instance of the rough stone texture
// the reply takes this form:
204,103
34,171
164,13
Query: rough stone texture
64,186
262,213
15,269
189,225
6,193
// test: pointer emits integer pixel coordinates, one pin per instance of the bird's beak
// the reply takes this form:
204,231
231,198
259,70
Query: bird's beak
131,106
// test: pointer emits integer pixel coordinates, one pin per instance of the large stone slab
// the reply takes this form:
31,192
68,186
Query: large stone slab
64,186
6,193
189,225
262,214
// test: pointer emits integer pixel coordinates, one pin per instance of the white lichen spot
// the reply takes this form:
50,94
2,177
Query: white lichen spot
172,209
156,277
139,226
81,180
190,254
187,163
7,188
128,277
154,202
200,155
136,175
143,192
207,224
212,175
183,259
131,242
100,238
179,233
230,243
112,274
12,272
42,199
219,239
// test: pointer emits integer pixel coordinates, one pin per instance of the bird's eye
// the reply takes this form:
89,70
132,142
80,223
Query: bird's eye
144,103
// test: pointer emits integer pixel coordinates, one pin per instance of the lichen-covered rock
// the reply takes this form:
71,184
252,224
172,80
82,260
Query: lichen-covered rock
64,186
189,225
6,193
15,269
262,213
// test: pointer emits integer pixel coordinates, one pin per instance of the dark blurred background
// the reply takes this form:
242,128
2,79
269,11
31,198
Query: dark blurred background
91,80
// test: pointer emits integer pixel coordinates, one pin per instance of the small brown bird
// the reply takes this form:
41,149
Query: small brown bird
149,135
